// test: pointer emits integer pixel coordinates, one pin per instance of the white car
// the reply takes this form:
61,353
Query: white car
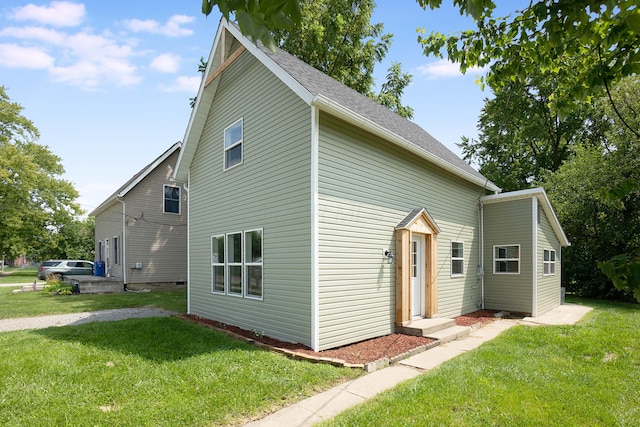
65,267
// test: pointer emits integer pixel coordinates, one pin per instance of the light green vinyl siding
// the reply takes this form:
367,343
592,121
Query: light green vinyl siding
270,190
366,187
548,286
509,223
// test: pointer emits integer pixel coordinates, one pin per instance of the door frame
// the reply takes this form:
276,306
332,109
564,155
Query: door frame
417,222
420,274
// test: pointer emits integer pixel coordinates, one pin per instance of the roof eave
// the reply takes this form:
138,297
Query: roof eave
329,106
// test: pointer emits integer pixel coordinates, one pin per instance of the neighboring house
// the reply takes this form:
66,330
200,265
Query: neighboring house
318,216
141,229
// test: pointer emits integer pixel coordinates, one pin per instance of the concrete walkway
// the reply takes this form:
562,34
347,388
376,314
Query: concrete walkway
331,402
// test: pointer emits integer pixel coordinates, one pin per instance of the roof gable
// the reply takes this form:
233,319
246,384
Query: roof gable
327,94
135,179
418,215
544,202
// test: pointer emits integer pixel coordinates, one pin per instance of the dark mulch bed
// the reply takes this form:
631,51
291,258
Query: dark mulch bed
388,346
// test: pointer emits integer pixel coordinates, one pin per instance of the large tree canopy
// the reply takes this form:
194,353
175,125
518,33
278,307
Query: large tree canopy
34,201
338,38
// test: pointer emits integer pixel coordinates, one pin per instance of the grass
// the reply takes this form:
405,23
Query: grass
147,372
27,304
586,374
18,275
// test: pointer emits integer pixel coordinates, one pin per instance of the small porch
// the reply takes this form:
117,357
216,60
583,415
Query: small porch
96,284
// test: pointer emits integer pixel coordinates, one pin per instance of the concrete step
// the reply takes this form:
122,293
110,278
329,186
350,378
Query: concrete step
450,334
425,327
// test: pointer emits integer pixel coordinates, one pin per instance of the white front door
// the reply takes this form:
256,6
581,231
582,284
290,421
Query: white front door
417,276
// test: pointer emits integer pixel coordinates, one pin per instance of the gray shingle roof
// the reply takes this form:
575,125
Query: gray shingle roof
318,83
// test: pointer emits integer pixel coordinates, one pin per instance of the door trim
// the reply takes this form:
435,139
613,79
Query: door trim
418,222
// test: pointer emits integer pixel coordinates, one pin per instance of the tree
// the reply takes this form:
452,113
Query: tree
586,45
521,138
337,38
597,198
33,199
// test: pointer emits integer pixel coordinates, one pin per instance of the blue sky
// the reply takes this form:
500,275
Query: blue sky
107,83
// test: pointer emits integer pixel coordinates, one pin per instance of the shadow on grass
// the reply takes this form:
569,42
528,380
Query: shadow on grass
158,339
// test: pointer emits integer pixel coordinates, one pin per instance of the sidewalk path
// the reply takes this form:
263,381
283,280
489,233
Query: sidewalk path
41,322
333,401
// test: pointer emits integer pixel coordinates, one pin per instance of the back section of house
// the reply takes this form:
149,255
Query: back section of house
366,186
250,190
508,255
548,268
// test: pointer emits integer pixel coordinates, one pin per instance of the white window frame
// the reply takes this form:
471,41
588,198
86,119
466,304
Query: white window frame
230,264
460,258
233,144
248,264
220,262
549,262
496,259
164,199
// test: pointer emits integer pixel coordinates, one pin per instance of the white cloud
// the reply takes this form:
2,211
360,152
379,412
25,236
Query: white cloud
39,34
444,68
166,63
184,84
172,28
57,14
15,56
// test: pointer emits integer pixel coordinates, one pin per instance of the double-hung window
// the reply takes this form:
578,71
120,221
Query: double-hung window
549,262
236,264
506,259
171,199
457,258
233,136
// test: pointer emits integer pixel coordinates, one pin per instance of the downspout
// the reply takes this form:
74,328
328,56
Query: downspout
124,241
481,251
186,188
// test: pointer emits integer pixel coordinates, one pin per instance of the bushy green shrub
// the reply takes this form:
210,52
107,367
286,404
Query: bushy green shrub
56,285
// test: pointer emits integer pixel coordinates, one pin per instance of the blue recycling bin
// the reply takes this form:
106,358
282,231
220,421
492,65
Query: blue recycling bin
98,268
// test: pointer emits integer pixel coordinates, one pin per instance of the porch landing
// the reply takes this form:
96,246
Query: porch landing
441,329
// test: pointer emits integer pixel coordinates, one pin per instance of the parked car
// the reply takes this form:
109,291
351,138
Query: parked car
65,267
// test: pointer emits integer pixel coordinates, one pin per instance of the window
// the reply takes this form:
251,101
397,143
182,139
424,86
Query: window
233,145
236,264
171,199
506,259
549,262
253,263
116,250
217,264
457,258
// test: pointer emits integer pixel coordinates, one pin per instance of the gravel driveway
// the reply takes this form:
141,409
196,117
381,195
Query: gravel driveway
42,322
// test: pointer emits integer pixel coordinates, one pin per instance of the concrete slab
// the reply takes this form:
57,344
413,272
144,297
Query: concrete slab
493,329
423,327
432,358
378,381
450,334
465,344
566,314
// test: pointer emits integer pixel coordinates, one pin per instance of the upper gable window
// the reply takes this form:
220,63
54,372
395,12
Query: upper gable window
233,145
171,199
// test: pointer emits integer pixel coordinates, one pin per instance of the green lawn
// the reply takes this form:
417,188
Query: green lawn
586,374
147,372
18,275
37,303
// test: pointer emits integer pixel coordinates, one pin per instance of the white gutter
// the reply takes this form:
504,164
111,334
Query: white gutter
186,187
326,104
315,257
124,240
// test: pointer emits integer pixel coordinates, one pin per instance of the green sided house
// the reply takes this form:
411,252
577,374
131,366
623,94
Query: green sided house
318,216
